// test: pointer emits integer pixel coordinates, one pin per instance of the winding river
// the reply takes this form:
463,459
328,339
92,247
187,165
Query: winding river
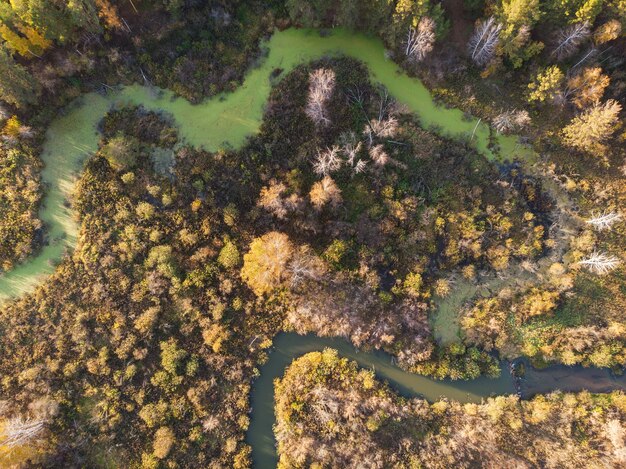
225,121
288,346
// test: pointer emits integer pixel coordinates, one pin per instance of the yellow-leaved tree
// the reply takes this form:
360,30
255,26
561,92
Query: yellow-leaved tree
590,130
265,264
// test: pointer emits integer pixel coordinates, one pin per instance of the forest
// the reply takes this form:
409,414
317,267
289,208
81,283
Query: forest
344,215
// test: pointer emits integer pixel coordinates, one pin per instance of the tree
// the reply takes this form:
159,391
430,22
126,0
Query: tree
57,21
17,87
381,128
229,255
18,431
171,356
324,192
272,199
265,264
378,155
590,130
109,14
538,302
569,39
420,41
600,263
517,18
483,42
511,121
305,264
608,31
321,86
520,12
587,87
365,15
327,161
546,85
121,152
573,11
605,220
163,441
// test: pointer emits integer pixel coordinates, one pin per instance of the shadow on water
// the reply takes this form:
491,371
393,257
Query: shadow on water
289,346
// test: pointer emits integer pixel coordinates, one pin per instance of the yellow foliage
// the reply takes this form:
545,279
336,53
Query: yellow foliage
588,86
109,14
265,265
163,441
607,32
16,456
538,303
30,43
12,127
14,41
37,40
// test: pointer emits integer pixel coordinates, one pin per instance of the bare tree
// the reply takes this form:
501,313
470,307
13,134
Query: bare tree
600,263
351,151
327,161
321,86
378,155
420,41
19,431
569,39
482,45
605,220
26,131
384,128
305,265
360,166
4,113
510,121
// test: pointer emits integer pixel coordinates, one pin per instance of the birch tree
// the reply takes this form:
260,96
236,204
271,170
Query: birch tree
587,87
265,265
511,121
420,41
321,87
608,31
604,221
484,41
600,263
569,39
325,192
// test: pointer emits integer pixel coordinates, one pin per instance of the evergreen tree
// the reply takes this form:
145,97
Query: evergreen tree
17,87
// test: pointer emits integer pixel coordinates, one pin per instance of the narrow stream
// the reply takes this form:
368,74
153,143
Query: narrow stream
289,346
